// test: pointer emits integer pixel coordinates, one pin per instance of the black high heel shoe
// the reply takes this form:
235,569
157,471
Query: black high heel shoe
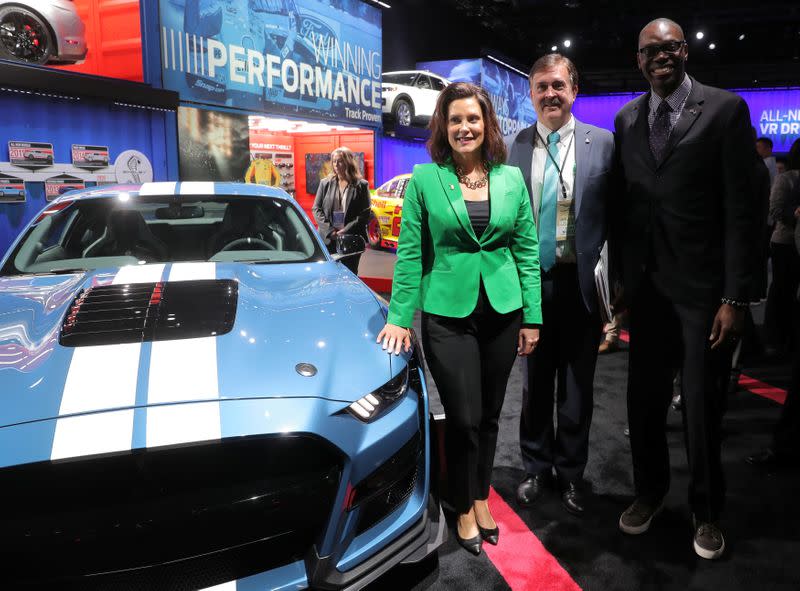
471,545
492,536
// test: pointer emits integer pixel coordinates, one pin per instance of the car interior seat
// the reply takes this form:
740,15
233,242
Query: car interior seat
127,233
245,220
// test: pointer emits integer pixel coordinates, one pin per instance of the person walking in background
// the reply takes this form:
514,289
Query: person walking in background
784,451
468,258
778,325
688,221
567,167
764,150
342,204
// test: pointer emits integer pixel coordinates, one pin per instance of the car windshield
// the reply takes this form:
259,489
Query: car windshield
93,233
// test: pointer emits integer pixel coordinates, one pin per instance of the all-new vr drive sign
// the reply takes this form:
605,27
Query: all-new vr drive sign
303,57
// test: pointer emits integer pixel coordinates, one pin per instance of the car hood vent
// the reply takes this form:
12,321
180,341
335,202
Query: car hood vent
139,312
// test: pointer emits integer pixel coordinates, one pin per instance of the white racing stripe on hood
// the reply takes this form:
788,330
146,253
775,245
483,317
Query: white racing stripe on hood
101,377
162,188
197,188
181,371
229,586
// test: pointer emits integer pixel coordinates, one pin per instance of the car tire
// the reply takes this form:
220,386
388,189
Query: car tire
374,232
403,112
34,47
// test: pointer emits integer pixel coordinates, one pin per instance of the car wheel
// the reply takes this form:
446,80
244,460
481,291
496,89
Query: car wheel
403,112
24,36
374,232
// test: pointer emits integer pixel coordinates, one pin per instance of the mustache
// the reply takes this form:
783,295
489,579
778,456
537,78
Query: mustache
552,102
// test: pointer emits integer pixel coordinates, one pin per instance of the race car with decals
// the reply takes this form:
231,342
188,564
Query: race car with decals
193,397
383,229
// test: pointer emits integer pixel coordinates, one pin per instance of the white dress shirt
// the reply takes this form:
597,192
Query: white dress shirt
565,250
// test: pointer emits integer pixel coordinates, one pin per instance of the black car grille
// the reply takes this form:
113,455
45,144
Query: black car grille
139,312
171,518
386,488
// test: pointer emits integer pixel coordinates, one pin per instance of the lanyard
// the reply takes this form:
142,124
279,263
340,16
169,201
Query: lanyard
558,168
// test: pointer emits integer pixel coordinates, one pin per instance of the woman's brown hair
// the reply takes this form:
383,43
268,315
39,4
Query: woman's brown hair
351,172
493,149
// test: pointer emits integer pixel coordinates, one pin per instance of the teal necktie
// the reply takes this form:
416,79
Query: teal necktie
547,209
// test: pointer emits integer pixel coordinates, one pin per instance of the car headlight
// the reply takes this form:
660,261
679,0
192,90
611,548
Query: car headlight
369,407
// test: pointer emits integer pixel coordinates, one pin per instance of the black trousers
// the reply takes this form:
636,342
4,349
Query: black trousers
781,296
786,436
665,336
561,367
470,360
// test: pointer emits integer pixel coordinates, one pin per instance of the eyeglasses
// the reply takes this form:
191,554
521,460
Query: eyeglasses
652,51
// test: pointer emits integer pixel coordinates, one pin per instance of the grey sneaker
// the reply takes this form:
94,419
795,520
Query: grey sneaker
709,543
636,518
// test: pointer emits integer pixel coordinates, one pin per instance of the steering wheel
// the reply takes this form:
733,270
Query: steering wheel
239,242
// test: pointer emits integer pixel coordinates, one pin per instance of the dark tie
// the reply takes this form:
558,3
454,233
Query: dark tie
659,132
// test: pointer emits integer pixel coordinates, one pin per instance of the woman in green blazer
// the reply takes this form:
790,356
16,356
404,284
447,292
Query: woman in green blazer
468,258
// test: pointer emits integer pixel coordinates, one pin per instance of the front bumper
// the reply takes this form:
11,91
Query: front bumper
342,552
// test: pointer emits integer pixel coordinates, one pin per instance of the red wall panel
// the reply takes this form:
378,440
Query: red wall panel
357,141
114,37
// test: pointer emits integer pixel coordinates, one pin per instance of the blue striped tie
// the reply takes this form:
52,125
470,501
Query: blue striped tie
547,211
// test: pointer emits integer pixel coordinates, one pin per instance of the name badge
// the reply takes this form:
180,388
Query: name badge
565,223
338,219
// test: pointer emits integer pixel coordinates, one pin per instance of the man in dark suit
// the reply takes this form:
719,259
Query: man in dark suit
567,166
687,223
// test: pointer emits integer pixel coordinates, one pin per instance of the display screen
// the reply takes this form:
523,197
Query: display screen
214,146
301,57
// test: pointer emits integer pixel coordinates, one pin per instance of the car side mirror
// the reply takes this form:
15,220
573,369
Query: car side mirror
348,245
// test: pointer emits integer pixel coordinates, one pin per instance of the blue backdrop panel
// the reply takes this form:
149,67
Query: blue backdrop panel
399,157
63,122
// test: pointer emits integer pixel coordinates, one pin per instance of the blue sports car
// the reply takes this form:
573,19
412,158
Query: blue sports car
191,396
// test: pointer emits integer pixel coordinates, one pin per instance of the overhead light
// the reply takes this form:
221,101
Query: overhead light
567,42
699,34
712,45
381,3
741,37
554,48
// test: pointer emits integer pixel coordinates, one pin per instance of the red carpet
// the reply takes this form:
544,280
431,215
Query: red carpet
520,557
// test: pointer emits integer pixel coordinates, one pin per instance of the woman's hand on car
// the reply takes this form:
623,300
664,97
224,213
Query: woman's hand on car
393,338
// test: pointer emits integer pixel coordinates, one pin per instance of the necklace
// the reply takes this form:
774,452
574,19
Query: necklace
472,185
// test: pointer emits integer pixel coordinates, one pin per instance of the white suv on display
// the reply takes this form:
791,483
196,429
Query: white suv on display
410,95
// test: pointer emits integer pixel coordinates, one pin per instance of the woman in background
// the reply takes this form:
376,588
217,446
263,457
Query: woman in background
468,258
342,204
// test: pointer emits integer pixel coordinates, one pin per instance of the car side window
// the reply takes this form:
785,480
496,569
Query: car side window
423,82
391,189
437,83
400,192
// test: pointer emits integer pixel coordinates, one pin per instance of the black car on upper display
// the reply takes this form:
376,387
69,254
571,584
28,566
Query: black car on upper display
41,31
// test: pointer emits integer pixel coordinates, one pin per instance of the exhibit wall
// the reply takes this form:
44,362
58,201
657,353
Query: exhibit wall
774,113
325,143
301,58
507,88
399,156
90,142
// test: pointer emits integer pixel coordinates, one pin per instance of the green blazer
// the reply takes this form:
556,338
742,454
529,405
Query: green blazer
440,261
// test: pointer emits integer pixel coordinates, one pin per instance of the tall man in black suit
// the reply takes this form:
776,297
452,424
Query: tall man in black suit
687,214
567,165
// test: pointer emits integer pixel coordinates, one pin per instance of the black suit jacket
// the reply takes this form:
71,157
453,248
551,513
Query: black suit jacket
357,208
594,164
690,219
